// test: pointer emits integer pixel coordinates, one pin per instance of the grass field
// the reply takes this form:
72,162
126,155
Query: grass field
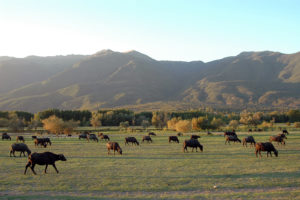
153,171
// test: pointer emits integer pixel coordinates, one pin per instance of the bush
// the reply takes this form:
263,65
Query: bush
297,124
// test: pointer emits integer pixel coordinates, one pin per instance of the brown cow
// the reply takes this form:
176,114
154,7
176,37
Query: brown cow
249,139
113,146
267,146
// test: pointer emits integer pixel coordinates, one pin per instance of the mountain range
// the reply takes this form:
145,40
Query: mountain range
109,79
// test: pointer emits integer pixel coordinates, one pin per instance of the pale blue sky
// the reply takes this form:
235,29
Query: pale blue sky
163,29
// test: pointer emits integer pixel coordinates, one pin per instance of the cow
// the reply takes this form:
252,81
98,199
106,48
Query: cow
267,146
113,146
46,158
173,138
132,140
193,144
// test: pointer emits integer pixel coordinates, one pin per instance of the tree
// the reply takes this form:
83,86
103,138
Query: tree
54,125
172,123
4,122
124,125
15,123
216,123
145,124
69,126
297,124
184,126
160,119
234,124
96,119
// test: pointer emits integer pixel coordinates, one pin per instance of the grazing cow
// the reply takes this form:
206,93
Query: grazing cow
19,147
5,136
209,133
46,158
33,137
133,140
151,133
99,134
179,134
104,137
147,138
195,137
229,133
259,130
69,135
20,138
232,138
173,138
193,144
249,139
93,137
278,138
83,136
113,146
41,141
284,131
249,130
267,146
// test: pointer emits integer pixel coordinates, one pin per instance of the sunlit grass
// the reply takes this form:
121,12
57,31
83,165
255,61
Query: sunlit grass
157,170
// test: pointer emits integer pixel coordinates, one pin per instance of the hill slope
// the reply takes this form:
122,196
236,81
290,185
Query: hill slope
114,79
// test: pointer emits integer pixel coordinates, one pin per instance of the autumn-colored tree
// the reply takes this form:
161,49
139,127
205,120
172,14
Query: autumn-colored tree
54,125
234,124
172,123
297,124
184,126
216,123
96,119
69,126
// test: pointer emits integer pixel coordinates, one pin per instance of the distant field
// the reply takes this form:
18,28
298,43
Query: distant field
158,170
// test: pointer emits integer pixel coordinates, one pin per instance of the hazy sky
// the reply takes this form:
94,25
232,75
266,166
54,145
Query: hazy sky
163,29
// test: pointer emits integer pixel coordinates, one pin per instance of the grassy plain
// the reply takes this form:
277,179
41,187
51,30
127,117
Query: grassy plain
158,170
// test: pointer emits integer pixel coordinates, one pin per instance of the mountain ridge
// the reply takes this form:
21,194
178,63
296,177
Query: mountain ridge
109,79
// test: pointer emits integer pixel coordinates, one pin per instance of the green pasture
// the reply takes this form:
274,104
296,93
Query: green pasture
155,171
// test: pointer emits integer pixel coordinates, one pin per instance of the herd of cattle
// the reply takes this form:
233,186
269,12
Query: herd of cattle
48,158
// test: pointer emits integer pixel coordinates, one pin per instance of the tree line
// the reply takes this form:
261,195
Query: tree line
181,121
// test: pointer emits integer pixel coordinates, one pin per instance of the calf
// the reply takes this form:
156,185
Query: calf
46,158
133,140
278,138
104,137
19,147
232,138
33,137
173,138
151,133
93,137
147,138
285,131
267,146
195,137
179,134
229,133
41,142
193,144
5,136
249,139
113,146
20,138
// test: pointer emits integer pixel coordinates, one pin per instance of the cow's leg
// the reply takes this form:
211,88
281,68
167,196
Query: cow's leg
55,167
28,164
46,169
32,168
